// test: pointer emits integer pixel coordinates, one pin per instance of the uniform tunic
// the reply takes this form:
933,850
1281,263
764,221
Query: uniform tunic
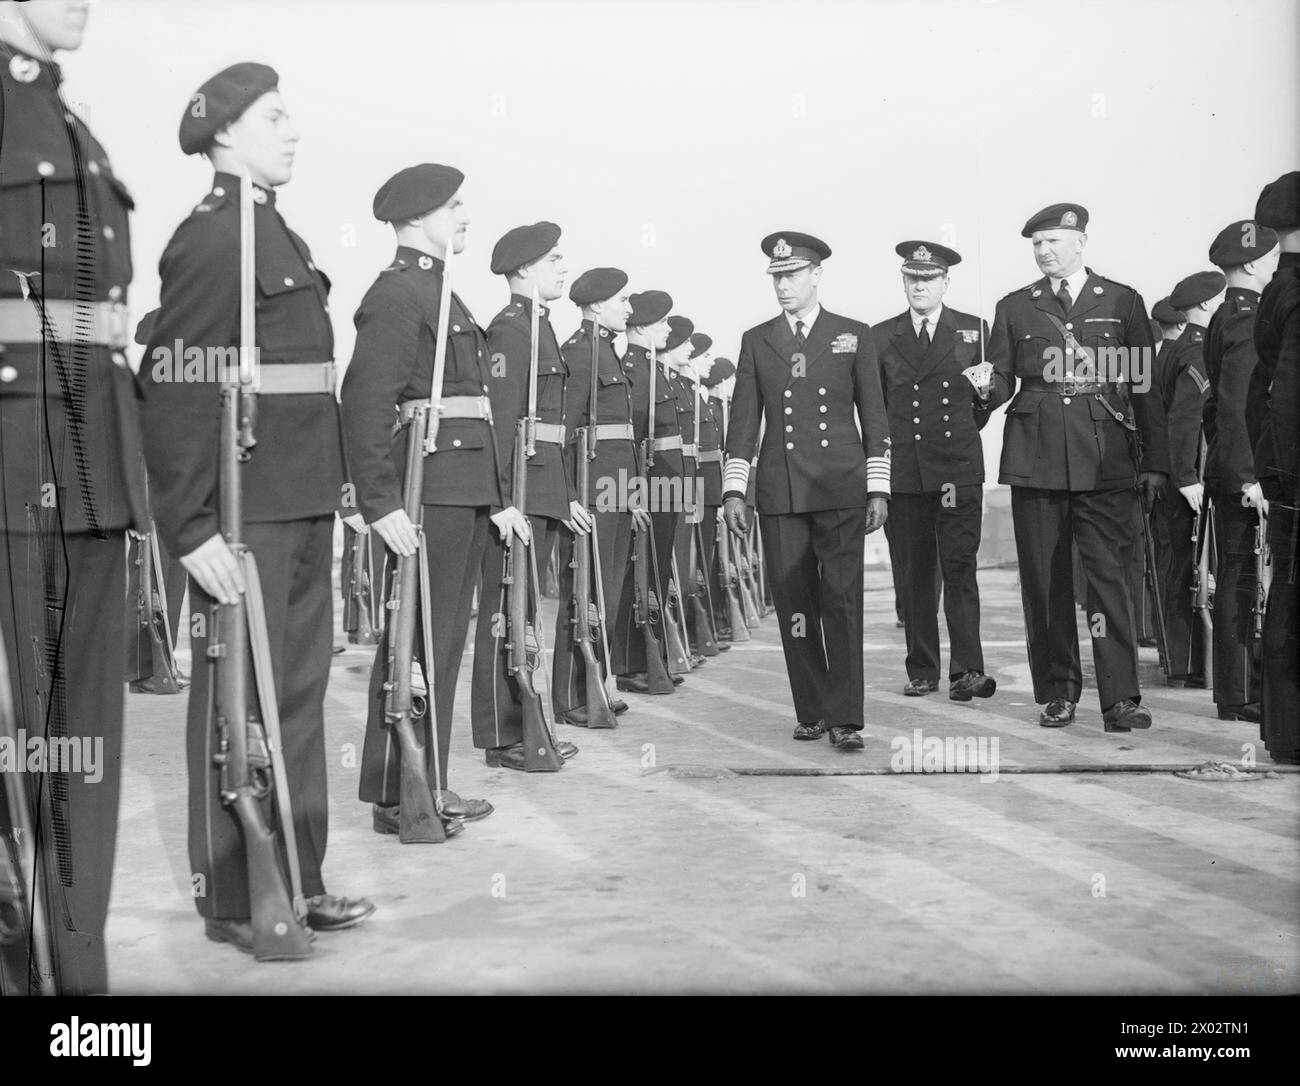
1072,462
292,485
71,483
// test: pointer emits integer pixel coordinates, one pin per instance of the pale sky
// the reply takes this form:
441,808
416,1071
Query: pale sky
669,138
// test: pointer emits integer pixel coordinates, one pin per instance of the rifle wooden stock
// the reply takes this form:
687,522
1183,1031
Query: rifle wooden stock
748,589
1151,577
679,650
359,581
540,755
731,586
600,713
1202,598
153,657
418,820
702,596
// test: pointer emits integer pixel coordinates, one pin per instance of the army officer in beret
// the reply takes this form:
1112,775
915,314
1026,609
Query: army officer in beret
928,357
530,259
823,481
292,483
1072,353
465,485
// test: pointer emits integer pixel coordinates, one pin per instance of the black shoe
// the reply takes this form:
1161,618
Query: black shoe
815,730
633,684
466,810
1249,711
845,738
387,820
1126,715
971,684
619,706
678,680
918,688
723,646
238,933
511,757
326,912
1057,713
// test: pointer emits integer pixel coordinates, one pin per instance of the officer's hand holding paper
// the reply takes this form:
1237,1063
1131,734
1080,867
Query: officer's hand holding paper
981,376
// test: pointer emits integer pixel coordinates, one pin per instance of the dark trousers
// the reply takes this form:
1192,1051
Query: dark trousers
496,716
1047,523
928,532
456,536
614,543
87,625
814,561
663,530
1236,651
1280,727
293,564
1177,558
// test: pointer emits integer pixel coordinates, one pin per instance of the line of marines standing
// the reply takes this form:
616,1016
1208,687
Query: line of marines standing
831,421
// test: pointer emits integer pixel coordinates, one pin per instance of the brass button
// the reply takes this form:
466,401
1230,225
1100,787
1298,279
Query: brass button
288,280
824,443
789,429
917,436
456,443
8,374
1066,400
45,169
917,420
789,444
789,410
788,392
947,433
109,233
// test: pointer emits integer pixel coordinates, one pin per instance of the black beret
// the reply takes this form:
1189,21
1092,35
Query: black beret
1197,288
223,99
925,259
1240,243
523,245
1278,205
700,343
649,307
1163,312
721,370
1057,217
597,285
789,250
681,330
416,191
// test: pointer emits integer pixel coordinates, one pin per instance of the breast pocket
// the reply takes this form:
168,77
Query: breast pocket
1035,355
283,296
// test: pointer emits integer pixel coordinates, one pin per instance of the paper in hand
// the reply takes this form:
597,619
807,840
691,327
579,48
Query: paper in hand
980,375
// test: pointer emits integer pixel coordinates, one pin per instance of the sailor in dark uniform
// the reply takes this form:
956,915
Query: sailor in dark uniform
292,484
71,475
1247,255
602,296
1273,411
823,481
929,357
1183,390
530,259
1065,351
465,490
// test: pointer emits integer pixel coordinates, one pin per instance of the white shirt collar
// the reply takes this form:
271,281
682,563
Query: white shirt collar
1077,282
809,319
932,318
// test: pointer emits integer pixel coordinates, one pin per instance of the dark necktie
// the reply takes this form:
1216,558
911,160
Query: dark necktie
923,336
1063,296
799,338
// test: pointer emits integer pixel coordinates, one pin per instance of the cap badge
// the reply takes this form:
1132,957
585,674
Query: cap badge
24,69
1069,219
426,262
920,253
259,195
1097,290
1036,293
781,249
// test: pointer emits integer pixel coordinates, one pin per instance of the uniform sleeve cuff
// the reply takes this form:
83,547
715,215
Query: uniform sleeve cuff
735,476
878,475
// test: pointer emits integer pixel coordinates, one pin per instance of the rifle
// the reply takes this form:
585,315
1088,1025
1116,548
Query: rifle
153,652
731,586
701,596
248,741
748,589
1202,588
1151,577
520,579
360,616
679,646
589,615
760,567
420,811
27,957
647,611
1263,574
